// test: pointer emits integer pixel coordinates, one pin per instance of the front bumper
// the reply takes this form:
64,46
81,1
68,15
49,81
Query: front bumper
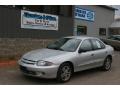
39,71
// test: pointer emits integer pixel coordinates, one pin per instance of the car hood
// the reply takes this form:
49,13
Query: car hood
43,54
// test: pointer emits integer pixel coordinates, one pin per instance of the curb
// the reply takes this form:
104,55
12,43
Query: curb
7,63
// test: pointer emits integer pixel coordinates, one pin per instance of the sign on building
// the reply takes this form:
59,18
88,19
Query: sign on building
84,14
35,20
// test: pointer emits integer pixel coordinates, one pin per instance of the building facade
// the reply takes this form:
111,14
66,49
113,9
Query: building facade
24,28
15,41
115,27
97,21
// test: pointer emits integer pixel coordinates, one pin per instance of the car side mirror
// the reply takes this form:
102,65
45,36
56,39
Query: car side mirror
82,51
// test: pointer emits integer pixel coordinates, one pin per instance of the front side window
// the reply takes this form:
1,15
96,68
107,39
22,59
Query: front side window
86,46
97,44
65,44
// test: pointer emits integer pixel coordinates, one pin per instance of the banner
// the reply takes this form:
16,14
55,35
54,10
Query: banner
35,20
84,14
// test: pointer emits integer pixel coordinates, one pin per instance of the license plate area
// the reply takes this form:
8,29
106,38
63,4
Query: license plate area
25,70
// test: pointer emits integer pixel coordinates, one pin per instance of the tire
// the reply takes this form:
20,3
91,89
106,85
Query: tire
64,72
107,64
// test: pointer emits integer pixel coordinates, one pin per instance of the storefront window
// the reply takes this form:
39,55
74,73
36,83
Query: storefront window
102,31
81,30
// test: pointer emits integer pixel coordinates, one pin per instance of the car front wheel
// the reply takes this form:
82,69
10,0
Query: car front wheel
64,72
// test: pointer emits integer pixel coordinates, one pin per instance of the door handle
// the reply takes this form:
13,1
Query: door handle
92,54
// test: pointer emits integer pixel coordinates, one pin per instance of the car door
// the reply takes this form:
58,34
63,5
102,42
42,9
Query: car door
85,55
99,51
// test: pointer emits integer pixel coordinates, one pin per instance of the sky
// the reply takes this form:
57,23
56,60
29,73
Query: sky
117,13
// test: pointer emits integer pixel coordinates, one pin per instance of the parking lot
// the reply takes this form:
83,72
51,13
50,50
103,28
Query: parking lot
12,76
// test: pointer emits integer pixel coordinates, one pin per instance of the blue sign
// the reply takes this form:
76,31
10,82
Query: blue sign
84,14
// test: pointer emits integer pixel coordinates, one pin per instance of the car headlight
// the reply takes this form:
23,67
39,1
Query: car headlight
44,63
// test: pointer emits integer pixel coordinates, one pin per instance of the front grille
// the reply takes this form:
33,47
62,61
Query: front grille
26,61
24,70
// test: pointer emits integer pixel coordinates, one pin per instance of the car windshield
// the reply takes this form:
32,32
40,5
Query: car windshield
65,44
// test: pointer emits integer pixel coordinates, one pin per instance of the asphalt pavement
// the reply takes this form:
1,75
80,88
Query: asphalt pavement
12,76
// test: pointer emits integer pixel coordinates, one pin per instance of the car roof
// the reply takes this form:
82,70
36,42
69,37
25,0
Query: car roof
81,37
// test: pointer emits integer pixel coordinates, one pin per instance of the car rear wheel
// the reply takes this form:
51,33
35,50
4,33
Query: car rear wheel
107,64
64,72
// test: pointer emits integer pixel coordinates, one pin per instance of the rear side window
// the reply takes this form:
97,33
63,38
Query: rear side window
97,44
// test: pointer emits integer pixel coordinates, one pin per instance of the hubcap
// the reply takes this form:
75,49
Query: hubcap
66,73
108,64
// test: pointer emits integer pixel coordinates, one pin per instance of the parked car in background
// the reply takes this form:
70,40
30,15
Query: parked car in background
114,41
65,56
115,37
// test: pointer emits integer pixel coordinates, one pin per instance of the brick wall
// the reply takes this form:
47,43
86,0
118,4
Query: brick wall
13,47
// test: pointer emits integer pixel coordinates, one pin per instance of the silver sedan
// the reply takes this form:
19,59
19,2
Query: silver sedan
65,56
